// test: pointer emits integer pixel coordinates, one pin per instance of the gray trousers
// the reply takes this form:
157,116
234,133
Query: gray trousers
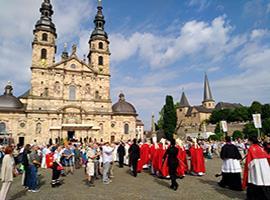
96,169
106,169
4,190
111,170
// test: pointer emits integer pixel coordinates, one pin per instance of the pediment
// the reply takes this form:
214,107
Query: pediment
73,64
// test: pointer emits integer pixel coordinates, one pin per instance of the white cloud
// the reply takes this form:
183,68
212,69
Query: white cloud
258,33
69,17
211,40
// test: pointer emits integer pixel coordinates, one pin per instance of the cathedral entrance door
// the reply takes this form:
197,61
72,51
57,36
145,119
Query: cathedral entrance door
21,141
70,135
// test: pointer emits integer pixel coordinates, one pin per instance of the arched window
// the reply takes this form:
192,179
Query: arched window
87,89
72,93
126,128
44,37
101,128
99,24
100,45
43,54
57,87
2,128
100,60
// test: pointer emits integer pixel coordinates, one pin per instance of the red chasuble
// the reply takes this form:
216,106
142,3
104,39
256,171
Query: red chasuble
165,169
49,160
254,152
139,165
144,157
197,160
145,154
182,157
154,157
161,153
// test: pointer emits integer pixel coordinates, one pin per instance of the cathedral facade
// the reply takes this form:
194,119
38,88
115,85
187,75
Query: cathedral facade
70,98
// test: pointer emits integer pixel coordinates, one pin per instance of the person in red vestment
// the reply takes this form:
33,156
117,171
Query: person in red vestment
165,168
49,159
197,165
145,155
182,157
256,176
160,153
153,158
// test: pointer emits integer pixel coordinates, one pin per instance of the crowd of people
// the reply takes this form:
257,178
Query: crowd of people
166,159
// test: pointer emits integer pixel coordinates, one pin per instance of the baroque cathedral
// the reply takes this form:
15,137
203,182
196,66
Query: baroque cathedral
69,98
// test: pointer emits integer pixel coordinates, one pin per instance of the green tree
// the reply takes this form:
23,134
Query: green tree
218,133
266,126
219,115
240,115
160,121
266,111
237,134
250,130
256,107
169,118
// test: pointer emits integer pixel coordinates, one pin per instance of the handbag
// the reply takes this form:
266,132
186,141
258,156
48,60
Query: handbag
60,168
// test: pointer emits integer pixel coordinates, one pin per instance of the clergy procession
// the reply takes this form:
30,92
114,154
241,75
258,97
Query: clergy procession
245,163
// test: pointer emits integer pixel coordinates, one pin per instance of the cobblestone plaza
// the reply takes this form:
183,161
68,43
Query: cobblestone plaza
124,186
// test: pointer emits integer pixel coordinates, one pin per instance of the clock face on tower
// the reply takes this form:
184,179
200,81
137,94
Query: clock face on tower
43,62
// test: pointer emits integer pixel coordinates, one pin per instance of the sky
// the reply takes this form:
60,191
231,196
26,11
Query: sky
158,47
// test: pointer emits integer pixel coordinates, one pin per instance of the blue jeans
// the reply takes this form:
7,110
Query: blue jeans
32,177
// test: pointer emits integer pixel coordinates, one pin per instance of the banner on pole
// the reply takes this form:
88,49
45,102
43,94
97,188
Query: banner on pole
224,126
257,120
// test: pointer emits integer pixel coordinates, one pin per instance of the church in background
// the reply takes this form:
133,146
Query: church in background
192,119
69,98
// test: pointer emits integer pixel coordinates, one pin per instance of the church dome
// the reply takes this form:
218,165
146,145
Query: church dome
123,107
8,101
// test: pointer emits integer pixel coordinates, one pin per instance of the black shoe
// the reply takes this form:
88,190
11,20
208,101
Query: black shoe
171,186
175,187
58,184
221,185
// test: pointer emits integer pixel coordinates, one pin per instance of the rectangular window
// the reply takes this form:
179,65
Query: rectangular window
72,93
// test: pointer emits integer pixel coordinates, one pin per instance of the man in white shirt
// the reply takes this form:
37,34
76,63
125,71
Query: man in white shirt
107,157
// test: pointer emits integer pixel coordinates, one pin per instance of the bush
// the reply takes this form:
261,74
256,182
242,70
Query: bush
237,134
250,130
216,137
